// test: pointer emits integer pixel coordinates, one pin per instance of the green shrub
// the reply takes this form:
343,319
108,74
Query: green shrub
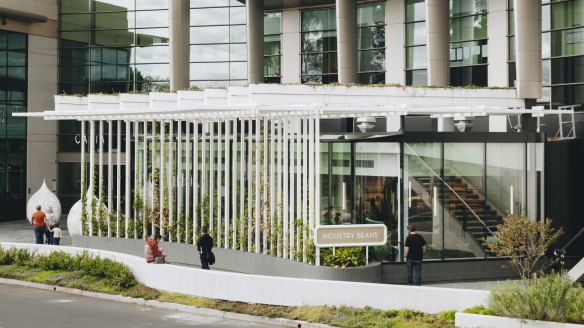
54,261
16,256
479,310
446,315
344,257
550,298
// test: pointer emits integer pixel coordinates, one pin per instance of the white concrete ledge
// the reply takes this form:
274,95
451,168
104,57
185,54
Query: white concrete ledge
467,320
280,290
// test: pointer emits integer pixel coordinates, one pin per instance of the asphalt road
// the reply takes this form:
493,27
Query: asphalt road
24,307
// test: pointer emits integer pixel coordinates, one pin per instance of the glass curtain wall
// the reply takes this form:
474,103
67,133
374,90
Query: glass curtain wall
371,43
457,193
318,46
272,47
218,43
113,46
563,51
468,42
13,99
416,53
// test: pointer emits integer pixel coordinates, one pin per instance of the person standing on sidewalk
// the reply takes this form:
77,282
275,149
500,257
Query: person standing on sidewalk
204,246
56,234
39,221
415,247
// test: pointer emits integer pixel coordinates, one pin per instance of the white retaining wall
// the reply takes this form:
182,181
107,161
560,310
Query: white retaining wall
283,291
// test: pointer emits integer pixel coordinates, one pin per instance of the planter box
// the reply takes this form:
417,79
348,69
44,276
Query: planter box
103,102
68,103
134,101
215,97
190,99
238,95
467,320
163,100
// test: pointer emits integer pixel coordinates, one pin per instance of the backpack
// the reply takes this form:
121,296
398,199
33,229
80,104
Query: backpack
210,258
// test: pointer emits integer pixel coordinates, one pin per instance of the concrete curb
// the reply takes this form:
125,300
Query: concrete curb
168,306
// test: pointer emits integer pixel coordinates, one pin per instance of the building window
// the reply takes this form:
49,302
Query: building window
13,99
272,47
319,46
218,44
468,42
563,53
371,43
416,55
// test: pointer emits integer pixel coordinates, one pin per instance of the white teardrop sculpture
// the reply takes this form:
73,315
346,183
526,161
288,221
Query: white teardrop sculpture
45,198
74,219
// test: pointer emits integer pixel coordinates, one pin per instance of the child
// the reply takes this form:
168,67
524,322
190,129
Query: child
57,233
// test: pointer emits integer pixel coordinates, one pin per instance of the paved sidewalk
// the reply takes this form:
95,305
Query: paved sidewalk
20,231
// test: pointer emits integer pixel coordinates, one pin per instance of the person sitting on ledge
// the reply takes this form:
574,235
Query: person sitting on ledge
152,253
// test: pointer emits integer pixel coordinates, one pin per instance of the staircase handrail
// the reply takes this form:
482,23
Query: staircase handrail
451,189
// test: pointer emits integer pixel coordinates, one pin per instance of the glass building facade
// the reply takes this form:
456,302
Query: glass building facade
273,47
468,42
13,99
318,47
416,52
371,43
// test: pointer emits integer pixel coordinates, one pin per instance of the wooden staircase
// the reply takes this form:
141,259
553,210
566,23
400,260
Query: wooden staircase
462,201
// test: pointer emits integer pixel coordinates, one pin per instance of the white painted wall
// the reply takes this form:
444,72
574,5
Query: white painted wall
41,135
283,291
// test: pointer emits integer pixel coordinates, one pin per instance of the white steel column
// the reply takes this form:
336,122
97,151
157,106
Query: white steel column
249,184
100,178
317,176
311,183
234,178
346,12
83,183
305,187
153,166
110,176
258,197
90,193
211,177
241,182
169,177
272,181
438,42
227,169
219,182
161,179
255,41
144,177
265,189
187,178
279,204
527,19
196,186
136,173
298,182
179,180
118,176
292,178
286,190
127,199
203,162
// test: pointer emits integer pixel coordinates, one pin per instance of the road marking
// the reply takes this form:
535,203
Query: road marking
59,301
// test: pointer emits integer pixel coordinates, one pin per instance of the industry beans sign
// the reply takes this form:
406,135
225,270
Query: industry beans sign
350,235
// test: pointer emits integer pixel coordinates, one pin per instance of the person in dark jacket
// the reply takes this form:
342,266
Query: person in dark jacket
204,246
415,247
